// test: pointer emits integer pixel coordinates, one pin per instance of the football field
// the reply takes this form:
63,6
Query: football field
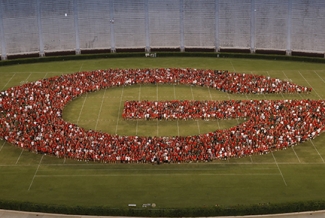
294,174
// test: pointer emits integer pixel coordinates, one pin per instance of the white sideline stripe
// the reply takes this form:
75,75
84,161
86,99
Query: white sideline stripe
310,85
119,110
279,169
22,150
100,110
317,150
164,174
39,164
9,81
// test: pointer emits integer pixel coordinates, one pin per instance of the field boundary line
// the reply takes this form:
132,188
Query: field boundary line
279,169
39,164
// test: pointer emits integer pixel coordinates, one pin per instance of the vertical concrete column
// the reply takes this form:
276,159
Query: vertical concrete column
76,25
253,17
146,19
181,20
2,34
288,50
112,21
39,24
217,46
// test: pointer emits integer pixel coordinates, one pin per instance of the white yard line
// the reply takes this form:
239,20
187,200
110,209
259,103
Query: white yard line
279,169
319,76
210,94
295,154
284,99
3,144
139,97
100,110
174,92
310,85
198,126
157,92
8,81
81,67
119,110
177,119
39,164
290,80
45,76
82,107
197,121
20,155
317,150
232,66
28,77
319,98
177,128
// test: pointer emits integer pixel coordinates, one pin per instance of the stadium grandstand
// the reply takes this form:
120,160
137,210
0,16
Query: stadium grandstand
45,27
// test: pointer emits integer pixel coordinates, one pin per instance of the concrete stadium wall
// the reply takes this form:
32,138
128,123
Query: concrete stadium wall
42,27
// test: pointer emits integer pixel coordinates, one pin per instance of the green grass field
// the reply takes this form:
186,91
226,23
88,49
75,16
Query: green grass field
294,174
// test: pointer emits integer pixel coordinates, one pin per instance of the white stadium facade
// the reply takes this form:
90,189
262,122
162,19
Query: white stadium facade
45,27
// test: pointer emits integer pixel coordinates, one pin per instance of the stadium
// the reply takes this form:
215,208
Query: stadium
101,66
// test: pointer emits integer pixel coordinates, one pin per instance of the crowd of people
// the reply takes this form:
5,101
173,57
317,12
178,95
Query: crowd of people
31,117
